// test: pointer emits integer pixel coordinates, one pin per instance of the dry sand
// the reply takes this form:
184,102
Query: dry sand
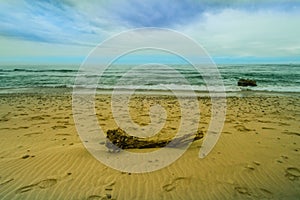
256,157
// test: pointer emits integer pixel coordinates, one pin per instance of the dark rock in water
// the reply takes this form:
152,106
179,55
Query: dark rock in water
246,82
118,139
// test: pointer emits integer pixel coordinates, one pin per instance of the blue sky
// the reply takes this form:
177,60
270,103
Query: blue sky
230,30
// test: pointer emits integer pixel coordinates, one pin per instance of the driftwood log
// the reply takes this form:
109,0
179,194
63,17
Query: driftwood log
118,139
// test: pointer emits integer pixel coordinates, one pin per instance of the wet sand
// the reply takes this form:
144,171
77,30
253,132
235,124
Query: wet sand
256,157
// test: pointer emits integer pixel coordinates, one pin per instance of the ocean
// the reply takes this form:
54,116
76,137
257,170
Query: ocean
269,77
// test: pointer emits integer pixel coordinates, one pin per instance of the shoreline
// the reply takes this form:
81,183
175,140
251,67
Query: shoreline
242,93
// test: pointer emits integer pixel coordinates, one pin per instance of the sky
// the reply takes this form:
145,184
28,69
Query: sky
230,30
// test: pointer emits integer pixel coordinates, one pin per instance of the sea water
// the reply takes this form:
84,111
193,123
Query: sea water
269,77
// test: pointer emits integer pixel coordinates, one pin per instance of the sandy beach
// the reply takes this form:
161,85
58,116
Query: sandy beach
150,100
256,157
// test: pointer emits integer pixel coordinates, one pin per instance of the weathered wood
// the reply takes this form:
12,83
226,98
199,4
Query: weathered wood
118,139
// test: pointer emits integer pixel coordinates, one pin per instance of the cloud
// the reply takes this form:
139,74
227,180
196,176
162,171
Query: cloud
156,13
170,13
53,22
237,32
223,27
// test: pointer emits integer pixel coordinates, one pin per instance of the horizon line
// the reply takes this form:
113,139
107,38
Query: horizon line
215,59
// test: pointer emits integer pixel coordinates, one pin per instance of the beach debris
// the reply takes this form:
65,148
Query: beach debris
250,167
246,82
25,156
118,139
256,163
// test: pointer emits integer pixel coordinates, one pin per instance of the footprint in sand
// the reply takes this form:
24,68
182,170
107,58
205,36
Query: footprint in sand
63,134
292,173
46,183
25,189
4,120
109,187
257,193
267,128
34,133
242,128
21,127
94,197
264,121
37,118
58,127
6,181
242,190
291,133
177,182
57,117
39,185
